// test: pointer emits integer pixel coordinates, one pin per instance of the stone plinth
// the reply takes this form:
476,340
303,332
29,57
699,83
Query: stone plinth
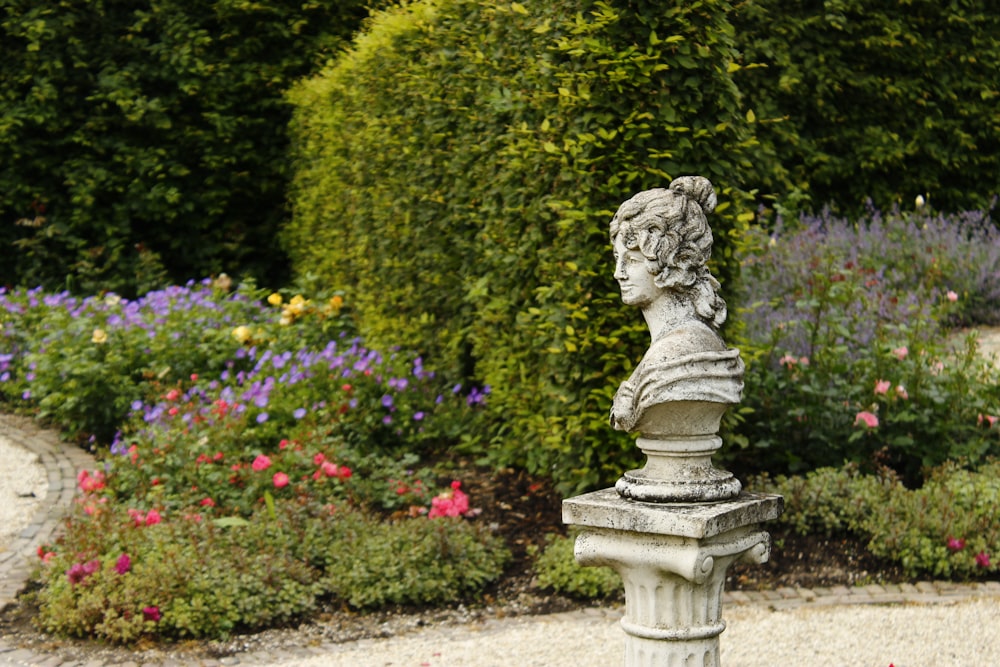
672,558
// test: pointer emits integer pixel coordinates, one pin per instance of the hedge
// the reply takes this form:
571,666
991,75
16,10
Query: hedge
879,101
456,173
144,141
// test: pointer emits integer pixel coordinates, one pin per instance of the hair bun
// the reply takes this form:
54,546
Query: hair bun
698,188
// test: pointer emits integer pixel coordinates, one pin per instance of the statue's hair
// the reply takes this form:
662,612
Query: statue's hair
668,226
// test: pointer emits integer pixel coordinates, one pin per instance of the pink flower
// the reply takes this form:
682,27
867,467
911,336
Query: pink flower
153,517
867,418
901,352
151,614
788,361
955,544
952,296
451,503
261,463
901,392
319,458
89,483
207,502
990,419
329,469
882,386
280,480
124,564
78,572
983,559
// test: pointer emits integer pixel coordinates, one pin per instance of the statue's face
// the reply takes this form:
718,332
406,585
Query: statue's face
635,280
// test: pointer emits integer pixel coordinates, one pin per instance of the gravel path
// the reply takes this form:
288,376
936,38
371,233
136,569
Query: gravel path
958,634
23,485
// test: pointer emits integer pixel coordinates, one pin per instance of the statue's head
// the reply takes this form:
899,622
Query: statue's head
668,227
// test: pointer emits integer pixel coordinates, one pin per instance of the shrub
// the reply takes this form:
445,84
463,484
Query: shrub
243,491
117,580
557,569
460,194
413,562
882,100
946,528
841,327
83,361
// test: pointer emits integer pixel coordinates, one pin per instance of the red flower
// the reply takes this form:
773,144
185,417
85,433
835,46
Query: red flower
151,614
280,480
261,463
207,502
983,559
955,544
124,564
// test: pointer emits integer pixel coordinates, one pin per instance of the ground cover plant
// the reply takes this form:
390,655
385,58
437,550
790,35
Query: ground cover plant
255,464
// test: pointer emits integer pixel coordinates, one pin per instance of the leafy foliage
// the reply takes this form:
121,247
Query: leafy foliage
946,528
457,170
557,569
842,322
192,578
875,100
144,141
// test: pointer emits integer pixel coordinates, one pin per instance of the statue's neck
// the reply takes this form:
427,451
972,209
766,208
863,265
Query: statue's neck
666,313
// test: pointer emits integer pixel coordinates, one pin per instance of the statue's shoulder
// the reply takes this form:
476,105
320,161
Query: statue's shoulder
688,338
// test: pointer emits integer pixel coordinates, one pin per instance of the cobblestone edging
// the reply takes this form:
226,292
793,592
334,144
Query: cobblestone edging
62,463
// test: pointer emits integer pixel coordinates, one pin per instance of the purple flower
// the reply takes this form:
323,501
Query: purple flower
299,413
262,417
387,401
418,416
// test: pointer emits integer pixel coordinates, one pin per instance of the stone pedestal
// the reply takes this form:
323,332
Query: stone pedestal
672,558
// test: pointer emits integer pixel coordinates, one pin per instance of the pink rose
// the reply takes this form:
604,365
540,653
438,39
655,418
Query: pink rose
261,463
280,480
866,418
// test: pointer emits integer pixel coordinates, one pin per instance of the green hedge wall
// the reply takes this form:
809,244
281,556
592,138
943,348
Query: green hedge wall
145,140
883,100
457,171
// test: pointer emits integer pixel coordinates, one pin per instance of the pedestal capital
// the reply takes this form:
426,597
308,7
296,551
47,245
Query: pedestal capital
607,509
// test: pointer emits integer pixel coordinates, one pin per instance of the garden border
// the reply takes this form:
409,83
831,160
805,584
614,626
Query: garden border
62,463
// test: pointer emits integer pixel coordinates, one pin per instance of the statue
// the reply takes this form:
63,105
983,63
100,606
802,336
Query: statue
677,394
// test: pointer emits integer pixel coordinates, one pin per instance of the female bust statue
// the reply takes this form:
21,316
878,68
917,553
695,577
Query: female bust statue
662,243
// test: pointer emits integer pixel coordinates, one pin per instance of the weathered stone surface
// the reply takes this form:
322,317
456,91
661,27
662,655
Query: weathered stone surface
606,509
672,529
677,394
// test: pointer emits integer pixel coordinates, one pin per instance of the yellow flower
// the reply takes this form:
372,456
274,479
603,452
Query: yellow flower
241,333
337,302
100,336
274,299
